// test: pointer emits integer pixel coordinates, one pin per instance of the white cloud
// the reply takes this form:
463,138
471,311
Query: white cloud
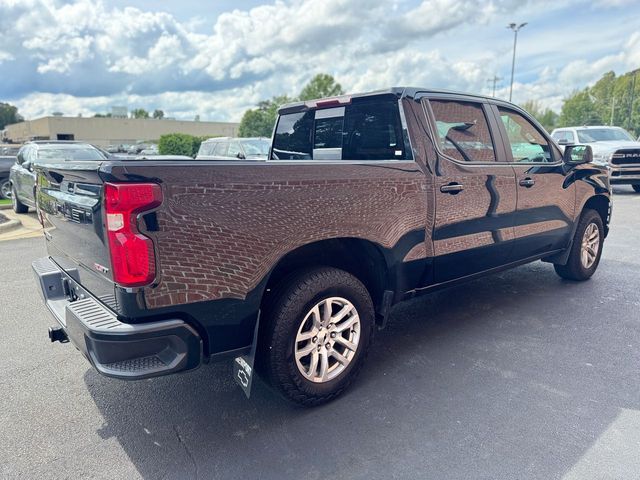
84,56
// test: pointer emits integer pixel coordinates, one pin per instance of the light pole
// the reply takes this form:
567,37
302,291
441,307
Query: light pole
515,28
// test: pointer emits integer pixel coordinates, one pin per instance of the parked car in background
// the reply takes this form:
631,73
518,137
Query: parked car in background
365,200
612,146
151,150
225,148
22,177
7,159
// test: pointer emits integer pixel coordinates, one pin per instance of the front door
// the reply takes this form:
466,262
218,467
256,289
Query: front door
546,200
475,192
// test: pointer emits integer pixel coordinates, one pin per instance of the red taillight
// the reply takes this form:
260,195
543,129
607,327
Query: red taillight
132,256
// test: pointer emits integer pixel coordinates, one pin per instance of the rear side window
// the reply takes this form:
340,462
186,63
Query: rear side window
463,131
364,130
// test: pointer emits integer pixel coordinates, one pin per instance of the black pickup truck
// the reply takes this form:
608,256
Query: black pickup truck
158,266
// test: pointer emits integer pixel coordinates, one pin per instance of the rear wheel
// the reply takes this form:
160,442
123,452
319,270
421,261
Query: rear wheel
636,188
5,188
586,249
318,331
18,206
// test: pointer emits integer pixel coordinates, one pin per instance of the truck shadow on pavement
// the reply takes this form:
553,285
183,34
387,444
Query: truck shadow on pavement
512,376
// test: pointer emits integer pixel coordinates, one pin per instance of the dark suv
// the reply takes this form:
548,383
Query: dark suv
159,266
22,177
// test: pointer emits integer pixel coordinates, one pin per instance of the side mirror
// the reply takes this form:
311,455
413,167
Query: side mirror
578,154
564,141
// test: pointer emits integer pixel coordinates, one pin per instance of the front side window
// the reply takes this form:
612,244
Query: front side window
256,147
368,129
528,145
463,131
234,150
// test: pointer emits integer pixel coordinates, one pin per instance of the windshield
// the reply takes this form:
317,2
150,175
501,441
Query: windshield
74,153
603,135
256,147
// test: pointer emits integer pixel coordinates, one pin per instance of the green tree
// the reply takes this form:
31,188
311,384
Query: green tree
102,115
320,86
259,122
547,117
579,109
158,114
176,144
139,113
9,115
612,100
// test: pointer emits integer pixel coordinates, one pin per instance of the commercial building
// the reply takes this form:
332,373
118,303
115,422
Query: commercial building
111,131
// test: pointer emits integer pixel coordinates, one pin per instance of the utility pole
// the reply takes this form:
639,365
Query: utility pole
515,27
613,108
632,98
494,81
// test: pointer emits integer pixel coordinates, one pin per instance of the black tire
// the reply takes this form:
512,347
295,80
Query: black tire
284,314
575,269
5,188
18,206
636,188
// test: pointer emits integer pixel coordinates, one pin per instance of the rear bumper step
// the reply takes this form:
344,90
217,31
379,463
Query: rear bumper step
114,348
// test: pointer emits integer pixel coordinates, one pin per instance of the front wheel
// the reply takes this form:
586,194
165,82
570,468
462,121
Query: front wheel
636,188
18,206
318,330
586,249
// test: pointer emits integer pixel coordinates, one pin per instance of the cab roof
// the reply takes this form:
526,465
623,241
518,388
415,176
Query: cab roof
398,92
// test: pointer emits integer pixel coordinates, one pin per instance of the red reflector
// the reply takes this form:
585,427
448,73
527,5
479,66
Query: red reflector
132,254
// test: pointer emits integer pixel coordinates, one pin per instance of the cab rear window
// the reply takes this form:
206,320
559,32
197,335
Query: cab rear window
364,130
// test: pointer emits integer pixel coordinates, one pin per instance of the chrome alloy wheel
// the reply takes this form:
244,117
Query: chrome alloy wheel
590,246
327,339
5,189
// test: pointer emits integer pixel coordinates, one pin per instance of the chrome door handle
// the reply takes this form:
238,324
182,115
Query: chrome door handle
527,182
452,188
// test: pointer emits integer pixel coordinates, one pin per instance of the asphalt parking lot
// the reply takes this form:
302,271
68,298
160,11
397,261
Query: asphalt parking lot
517,375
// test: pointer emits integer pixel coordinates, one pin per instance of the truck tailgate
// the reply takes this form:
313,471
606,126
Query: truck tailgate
70,202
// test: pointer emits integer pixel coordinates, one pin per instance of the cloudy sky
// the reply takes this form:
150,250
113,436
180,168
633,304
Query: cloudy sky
216,58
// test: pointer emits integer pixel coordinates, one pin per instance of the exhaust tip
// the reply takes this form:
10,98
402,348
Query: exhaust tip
57,334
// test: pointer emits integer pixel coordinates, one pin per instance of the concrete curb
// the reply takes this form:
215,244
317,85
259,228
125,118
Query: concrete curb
10,225
5,207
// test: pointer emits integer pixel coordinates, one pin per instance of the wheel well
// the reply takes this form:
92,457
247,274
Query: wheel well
361,258
600,204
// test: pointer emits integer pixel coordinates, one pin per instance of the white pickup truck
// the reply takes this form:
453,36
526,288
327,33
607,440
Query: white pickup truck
611,146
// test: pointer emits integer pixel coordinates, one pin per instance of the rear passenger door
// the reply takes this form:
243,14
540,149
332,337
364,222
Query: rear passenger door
475,192
546,200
